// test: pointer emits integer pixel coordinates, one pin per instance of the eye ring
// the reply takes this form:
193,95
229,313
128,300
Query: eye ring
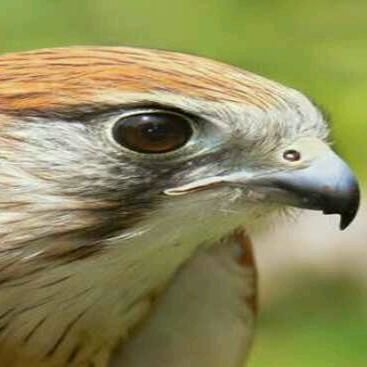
152,131
292,155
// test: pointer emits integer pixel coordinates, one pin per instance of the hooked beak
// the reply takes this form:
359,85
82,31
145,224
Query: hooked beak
326,184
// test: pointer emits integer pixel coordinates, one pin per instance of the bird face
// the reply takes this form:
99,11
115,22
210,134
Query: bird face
116,164
103,138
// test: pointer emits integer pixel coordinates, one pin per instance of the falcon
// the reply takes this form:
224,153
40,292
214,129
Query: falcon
130,180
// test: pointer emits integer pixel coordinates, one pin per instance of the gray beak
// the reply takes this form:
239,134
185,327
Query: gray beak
328,184
323,181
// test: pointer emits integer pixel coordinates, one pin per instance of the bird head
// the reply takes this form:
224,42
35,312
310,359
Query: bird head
117,164
97,140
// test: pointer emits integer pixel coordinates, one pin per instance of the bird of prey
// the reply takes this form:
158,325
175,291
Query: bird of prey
129,182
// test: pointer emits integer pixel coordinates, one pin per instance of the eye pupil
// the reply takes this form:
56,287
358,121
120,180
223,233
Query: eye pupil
292,155
153,132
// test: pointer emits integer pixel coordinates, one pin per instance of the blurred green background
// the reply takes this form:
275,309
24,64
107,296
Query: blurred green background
317,46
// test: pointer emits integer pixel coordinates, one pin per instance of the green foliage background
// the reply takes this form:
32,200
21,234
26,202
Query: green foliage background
318,46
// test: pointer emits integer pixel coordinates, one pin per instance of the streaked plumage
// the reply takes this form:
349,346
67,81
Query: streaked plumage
107,254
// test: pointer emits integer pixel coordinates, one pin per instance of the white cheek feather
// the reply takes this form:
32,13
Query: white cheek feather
112,290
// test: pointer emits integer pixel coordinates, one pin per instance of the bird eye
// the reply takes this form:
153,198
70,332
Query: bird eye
153,132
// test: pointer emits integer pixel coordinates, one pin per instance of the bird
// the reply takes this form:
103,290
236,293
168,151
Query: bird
131,180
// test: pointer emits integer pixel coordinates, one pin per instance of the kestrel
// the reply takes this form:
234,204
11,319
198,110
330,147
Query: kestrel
129,182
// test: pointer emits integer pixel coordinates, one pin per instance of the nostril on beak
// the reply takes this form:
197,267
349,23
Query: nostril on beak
327,184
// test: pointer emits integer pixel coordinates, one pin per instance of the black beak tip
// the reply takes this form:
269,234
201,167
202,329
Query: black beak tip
346,205
346,219
352,207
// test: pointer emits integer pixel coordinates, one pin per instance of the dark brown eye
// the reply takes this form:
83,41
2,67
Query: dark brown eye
292,155
153,132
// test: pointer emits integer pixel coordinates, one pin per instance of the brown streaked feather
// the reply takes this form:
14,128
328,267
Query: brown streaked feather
63,78
247,260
